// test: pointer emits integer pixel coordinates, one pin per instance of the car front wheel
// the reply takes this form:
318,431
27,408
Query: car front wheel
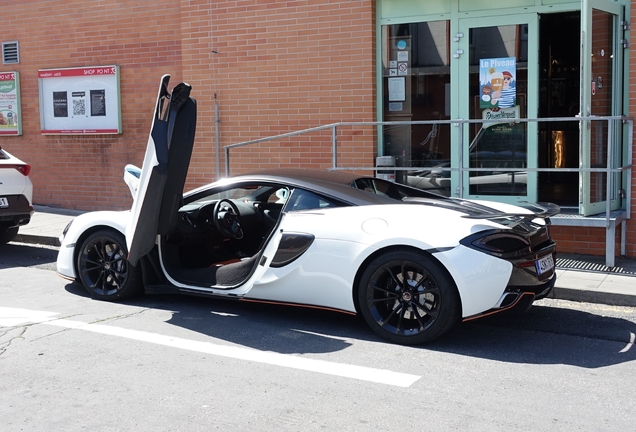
103,269
407,297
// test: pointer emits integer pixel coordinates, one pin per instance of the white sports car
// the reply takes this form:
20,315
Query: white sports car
412,263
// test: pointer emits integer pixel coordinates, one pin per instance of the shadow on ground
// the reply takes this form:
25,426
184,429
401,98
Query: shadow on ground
544,335
25,255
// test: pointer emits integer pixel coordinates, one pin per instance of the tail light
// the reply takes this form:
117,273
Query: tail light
24,169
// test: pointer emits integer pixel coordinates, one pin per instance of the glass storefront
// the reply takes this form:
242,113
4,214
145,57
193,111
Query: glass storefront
498,64
417,77
457,85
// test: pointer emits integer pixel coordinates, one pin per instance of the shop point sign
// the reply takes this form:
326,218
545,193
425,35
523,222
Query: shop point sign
80,101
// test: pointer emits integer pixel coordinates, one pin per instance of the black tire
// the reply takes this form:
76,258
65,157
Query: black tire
407,297
103,269
8,234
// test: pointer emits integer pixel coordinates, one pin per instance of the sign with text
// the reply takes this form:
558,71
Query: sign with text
79,101
10,113
498,82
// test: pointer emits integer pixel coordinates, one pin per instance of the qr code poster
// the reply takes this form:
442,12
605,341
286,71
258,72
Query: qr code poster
80,101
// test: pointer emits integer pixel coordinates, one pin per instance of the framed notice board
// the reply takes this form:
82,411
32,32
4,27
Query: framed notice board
10,113
80,101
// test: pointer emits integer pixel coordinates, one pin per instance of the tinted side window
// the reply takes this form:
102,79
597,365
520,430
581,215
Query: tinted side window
304,200
379,187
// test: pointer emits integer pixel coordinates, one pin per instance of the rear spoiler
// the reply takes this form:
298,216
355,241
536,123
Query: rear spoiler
474,210
539,210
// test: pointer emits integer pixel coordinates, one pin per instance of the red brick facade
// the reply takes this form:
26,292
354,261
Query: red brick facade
319,56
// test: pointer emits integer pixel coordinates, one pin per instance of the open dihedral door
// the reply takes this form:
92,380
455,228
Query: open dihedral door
164,169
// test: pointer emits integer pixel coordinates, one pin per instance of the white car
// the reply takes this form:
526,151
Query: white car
16,195
410,262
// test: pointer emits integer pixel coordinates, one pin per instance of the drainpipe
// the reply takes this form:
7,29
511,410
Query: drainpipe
216,125
216,137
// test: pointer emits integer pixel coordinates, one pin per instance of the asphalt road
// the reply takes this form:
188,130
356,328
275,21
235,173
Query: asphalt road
166,363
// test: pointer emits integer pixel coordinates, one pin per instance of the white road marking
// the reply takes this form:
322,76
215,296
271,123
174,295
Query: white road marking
632,339
13,317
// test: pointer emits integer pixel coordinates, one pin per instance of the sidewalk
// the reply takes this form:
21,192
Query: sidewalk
579,277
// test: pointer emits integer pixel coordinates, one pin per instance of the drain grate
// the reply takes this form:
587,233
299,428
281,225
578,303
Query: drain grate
588,265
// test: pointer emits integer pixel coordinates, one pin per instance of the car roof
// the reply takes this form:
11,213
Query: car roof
6,157
312,175
337,184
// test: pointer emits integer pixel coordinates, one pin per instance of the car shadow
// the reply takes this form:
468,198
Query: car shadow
544,335
265,327
26,255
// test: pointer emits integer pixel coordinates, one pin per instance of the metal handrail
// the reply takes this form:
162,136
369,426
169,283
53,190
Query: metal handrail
461,169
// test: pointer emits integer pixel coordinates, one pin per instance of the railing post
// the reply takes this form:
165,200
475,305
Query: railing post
608,179
461,159
227,161
628,183
334,146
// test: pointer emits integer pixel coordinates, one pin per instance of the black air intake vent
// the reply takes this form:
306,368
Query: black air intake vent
10,52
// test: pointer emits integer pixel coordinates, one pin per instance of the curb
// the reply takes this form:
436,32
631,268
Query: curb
37,239
593,296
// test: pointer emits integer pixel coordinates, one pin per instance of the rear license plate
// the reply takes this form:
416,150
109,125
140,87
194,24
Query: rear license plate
3,202
545,264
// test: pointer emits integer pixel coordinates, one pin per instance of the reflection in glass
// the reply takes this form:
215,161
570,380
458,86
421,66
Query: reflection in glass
416,81
602,73
501,145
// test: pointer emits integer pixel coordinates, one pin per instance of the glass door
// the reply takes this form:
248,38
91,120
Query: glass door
498,83
600,96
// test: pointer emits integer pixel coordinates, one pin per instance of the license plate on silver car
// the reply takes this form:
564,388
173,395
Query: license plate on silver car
544,264
4,203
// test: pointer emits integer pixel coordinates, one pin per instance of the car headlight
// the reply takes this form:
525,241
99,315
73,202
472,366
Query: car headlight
66,228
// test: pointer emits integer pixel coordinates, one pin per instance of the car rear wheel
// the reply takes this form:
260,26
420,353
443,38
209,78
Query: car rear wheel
8,234
407,297
103,269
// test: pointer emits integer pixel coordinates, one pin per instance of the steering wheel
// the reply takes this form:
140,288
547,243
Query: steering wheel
227,219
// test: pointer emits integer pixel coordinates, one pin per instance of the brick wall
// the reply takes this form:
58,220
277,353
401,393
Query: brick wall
583,240
143,38
284,66
278,69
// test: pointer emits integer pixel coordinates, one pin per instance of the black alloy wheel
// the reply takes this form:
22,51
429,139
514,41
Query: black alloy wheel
103,269
407,297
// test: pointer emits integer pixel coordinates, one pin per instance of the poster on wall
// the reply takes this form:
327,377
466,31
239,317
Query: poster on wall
80,101
497,83
10,113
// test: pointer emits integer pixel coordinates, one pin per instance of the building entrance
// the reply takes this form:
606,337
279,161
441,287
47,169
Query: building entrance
455,87
559,96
